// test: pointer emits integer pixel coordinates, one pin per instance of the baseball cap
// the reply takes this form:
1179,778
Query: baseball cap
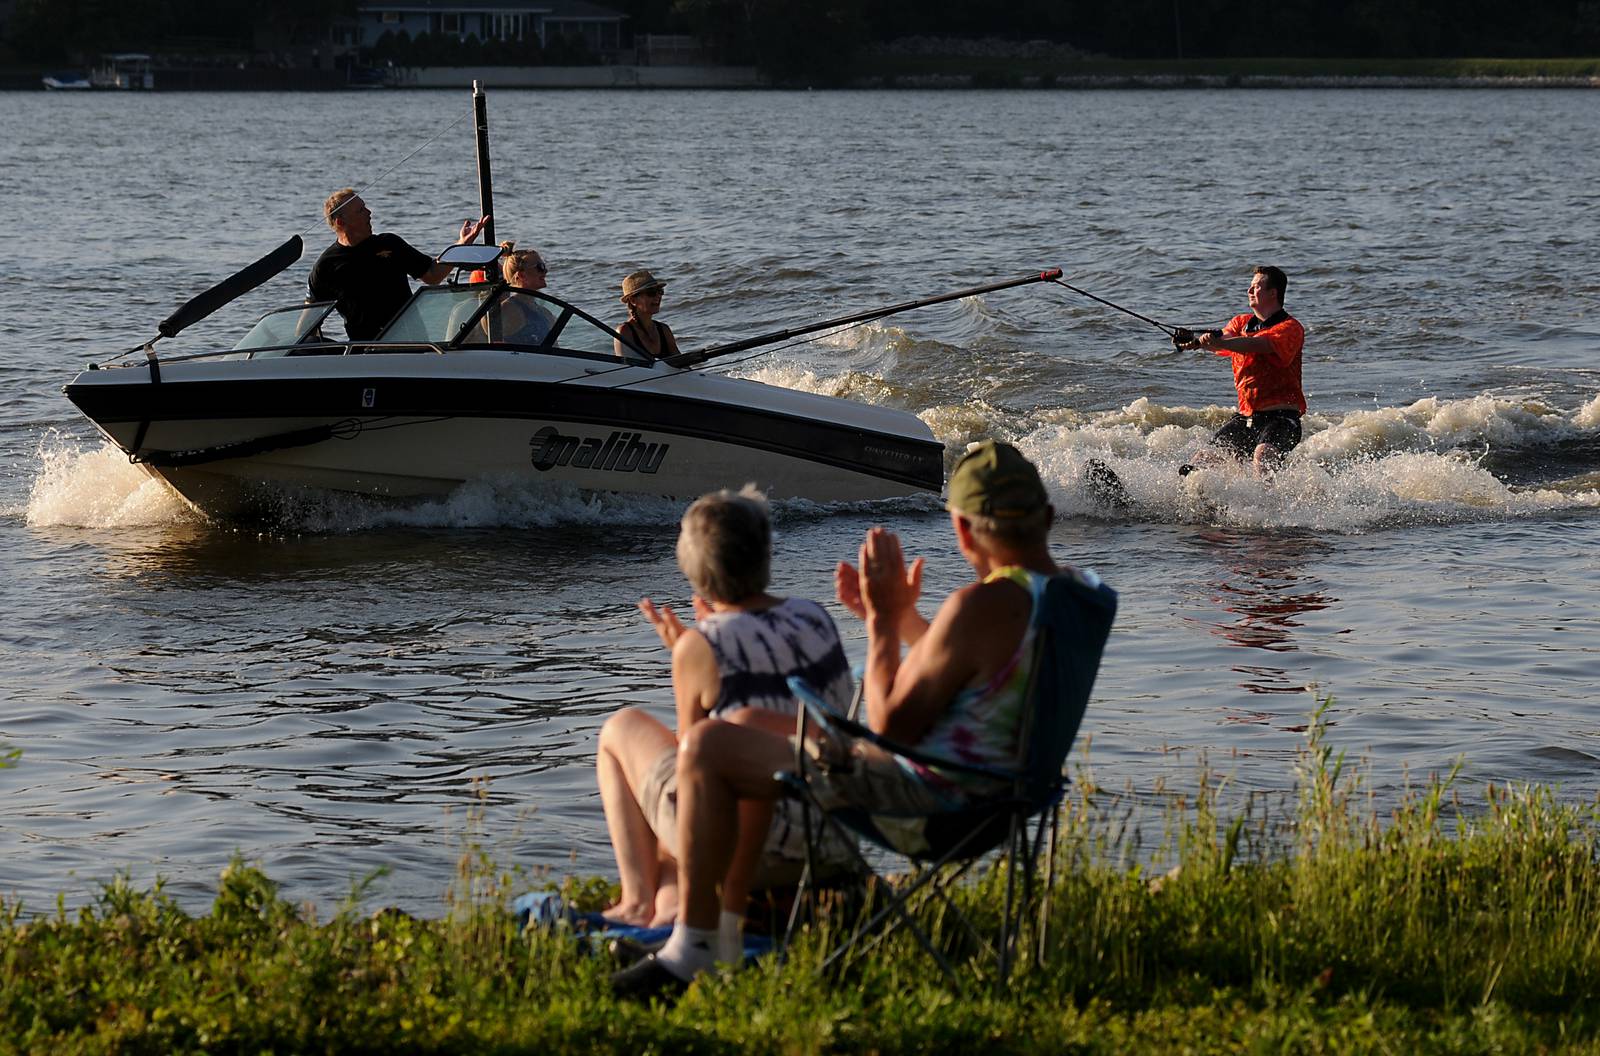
993,479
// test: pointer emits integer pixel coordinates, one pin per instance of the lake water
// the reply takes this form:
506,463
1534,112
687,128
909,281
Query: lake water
366,688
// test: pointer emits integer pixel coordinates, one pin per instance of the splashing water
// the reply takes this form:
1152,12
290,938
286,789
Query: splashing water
98,488
1588,416
1371,469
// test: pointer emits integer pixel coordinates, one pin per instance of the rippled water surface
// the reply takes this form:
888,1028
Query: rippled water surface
339,696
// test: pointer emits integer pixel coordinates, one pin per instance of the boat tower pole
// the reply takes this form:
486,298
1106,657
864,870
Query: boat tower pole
480,114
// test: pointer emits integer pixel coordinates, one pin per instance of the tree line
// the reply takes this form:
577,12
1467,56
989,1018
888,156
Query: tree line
1168,28
824,35
53,30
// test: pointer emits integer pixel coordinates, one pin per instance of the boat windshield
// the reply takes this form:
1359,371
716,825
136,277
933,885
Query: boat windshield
517,318
435,315
286,326
501,316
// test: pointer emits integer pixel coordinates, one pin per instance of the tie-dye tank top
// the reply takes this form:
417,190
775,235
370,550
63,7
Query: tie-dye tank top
984,721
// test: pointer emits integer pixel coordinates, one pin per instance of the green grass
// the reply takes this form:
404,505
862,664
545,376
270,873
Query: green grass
999,72
1442,927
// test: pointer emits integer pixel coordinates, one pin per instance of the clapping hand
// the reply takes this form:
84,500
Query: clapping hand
668,627
847,586
882,584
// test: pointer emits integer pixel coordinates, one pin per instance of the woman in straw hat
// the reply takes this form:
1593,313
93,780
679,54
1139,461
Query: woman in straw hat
641,292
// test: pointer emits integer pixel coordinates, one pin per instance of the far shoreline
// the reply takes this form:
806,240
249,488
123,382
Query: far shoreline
885,71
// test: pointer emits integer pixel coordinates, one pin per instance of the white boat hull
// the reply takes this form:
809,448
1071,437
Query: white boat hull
405,426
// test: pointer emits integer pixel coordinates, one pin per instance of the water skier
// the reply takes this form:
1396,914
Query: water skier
1264,345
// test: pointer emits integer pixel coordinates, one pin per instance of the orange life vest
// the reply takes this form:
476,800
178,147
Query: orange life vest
1268,380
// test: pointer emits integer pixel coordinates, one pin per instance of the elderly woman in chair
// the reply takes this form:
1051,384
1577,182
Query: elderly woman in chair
958,693
732,665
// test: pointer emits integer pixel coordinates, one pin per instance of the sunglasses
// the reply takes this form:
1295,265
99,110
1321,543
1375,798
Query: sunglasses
533,265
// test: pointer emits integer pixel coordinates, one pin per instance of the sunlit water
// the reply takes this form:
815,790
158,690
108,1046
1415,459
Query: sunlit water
335,697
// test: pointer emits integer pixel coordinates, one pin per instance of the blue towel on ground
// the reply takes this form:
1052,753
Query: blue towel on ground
547,909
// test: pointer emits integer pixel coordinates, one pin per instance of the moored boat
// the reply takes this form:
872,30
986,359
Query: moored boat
66,81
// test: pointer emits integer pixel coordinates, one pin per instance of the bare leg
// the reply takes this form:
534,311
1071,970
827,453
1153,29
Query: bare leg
666,908
718,765
630,742
755,818
1267,459
1206,456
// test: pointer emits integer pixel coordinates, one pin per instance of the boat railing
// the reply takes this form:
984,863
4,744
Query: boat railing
439,320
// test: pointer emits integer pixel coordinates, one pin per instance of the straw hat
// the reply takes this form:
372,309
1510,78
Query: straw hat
640,281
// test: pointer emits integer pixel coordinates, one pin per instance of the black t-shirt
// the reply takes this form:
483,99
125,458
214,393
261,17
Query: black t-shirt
368,280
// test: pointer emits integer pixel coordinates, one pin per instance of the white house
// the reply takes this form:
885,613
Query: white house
507,20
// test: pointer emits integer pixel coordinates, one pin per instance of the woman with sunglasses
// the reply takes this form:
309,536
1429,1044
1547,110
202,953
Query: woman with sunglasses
523,320
641,292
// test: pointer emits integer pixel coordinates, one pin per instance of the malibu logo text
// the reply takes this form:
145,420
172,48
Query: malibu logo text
619,453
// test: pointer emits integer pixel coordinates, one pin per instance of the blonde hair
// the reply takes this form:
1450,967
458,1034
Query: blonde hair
725,544
336,202
512,259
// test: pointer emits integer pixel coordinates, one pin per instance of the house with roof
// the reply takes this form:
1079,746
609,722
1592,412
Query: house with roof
510,21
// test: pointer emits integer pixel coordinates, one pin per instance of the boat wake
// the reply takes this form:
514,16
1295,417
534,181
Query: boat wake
1433,462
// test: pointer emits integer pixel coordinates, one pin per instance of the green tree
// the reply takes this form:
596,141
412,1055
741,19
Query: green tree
792,43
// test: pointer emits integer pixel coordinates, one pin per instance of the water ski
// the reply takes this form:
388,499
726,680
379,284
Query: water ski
1104,486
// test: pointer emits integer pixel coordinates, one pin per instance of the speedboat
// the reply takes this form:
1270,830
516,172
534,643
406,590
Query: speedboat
459,387
447,394
66,81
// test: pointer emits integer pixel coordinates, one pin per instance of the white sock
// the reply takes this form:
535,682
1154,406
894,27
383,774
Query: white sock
689,951
730,938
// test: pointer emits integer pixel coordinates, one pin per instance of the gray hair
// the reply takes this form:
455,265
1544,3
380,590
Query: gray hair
725,544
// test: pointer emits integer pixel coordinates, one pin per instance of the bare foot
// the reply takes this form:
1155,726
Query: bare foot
635,913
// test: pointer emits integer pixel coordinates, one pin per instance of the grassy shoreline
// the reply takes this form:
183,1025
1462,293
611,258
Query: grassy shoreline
1440,928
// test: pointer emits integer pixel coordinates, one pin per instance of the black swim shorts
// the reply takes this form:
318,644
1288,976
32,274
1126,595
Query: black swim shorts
1280,428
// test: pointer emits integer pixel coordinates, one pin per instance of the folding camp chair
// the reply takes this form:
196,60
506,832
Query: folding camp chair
1072,623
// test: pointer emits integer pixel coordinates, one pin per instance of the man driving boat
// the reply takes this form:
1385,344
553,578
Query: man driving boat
366,273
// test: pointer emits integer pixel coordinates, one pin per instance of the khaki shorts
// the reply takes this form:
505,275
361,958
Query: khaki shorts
784,857
865,776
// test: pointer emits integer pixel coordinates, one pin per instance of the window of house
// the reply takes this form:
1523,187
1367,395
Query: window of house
450,22
505,27
391,18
